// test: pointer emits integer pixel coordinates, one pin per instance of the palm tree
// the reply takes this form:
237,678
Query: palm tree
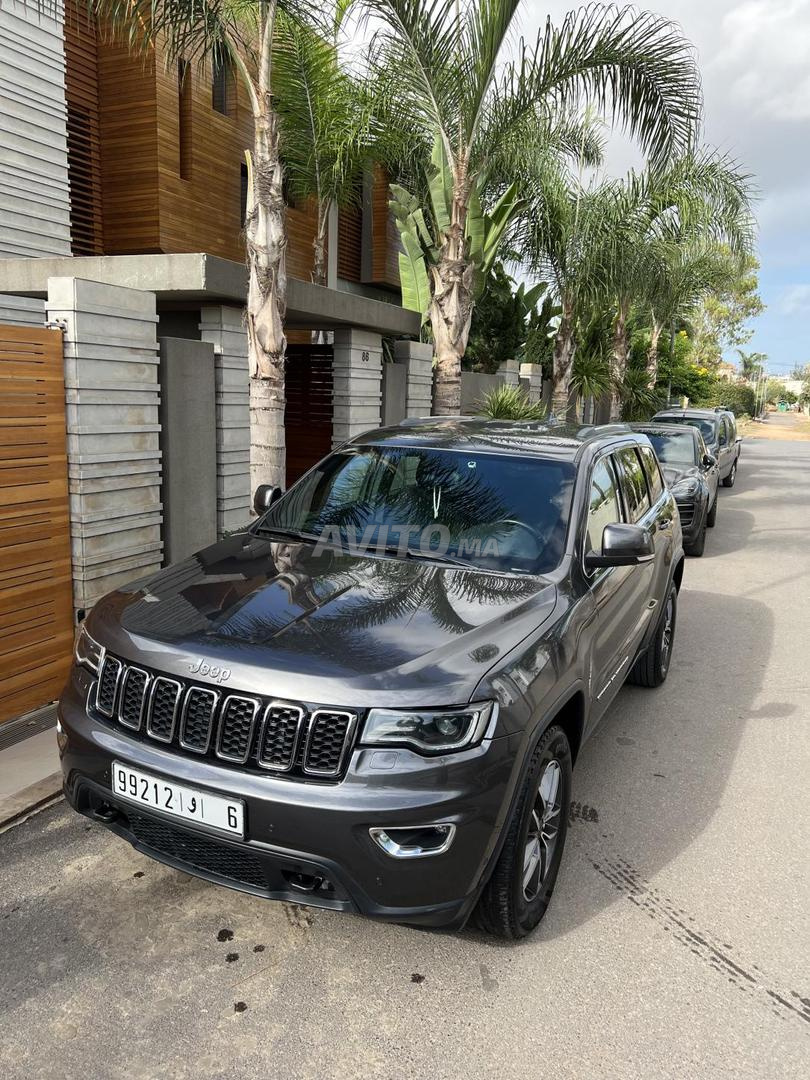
454,83
751,364
241,33
326,120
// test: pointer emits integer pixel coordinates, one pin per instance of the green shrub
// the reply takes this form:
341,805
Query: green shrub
735,396
509,403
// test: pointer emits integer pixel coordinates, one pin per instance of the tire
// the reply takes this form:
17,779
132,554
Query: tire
711,520
510,906
698,545
732,476
652,667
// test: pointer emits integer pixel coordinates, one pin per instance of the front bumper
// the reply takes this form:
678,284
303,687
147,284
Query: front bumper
309,842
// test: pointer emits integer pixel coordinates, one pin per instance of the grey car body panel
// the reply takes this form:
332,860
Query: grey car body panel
356,631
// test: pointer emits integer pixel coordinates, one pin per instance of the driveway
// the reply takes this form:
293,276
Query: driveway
676,944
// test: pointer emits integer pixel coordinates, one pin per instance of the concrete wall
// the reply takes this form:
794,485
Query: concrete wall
357,387
34,202
474,387
418,360
394,394
222,326
188,446
114,464
22,311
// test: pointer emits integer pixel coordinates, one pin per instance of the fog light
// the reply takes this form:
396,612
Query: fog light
61,738
414,842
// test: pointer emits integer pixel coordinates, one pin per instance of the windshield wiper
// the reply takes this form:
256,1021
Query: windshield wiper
415,553
292,534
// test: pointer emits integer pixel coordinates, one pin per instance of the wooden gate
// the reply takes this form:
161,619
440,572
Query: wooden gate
36,598
308,414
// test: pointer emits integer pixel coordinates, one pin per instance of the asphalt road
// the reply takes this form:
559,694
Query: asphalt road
676,945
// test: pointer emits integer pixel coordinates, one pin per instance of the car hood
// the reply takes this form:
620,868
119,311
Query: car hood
282,620
675,473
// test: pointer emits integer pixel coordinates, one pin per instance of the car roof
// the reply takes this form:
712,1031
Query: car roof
696,414
546,439
673,431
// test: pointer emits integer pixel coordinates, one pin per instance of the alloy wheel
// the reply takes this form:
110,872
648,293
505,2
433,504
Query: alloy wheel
544,827
668,633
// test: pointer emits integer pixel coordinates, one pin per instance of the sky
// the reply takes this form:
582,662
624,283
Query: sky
754,58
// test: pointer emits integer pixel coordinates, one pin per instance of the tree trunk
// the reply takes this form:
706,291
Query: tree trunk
266,241
618,361
652,353
451,306
319,259
563,362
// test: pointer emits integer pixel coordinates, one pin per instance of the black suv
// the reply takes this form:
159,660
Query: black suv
692,475
719,430
371,699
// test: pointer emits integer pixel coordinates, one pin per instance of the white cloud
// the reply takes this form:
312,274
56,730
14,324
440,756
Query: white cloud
795,300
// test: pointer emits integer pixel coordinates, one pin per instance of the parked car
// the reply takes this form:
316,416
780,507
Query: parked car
719,430
693,477
318,710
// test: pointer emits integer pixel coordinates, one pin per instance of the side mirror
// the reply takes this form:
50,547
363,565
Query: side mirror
708,461
264,497
622,545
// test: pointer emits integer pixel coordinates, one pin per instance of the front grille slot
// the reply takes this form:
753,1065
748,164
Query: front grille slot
198,719
107,689
198,851
133,698
236,728
280,737
686,511
163,703
327,738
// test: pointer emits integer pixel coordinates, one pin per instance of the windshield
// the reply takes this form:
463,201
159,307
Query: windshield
675,449
705,427
486,510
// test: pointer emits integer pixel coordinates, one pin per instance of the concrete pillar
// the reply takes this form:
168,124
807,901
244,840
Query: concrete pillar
188,446
531,379
509,371
112,393
223,327
418,359
357,384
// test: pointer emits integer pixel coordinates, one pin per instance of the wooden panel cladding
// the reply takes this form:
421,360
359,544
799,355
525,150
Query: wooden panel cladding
383,242
350,242
129,145
84,151
36,598
308,409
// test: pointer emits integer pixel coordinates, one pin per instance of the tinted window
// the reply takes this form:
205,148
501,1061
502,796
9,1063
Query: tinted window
707,428
603,507
490,510
675,449
722,432
634,485
656,484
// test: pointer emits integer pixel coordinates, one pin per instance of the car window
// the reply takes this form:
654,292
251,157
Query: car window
722,432
498,512
603,506
634,485
732,428
675,448
707,428
654,481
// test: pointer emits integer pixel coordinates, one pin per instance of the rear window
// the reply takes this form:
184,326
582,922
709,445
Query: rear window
634,483
707,428
656,484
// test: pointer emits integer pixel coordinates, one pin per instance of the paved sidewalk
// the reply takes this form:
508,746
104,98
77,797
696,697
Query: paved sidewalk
29,773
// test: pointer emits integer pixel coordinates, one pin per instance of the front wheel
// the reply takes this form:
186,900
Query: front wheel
732,476
652,667
711,520
698,545
515,898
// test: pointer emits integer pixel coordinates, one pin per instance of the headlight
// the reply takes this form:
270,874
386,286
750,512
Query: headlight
86,651
428,731
686,487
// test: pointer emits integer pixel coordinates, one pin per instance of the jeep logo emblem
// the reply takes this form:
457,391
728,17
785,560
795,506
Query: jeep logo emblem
218,674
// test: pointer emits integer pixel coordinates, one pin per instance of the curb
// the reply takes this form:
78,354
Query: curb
17,806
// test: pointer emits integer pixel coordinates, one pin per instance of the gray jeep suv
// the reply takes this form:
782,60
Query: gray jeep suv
371,698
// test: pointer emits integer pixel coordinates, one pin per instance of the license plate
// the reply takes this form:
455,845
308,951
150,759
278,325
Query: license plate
227,815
